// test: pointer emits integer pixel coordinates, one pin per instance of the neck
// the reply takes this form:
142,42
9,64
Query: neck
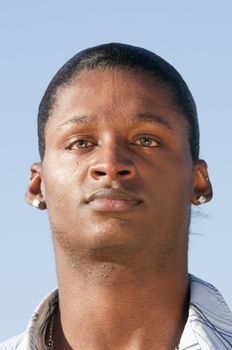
114,298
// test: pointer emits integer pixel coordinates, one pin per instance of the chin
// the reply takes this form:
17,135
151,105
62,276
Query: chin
114,232
107,234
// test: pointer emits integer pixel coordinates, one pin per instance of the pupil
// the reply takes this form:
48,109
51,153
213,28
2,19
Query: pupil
81,143
146,140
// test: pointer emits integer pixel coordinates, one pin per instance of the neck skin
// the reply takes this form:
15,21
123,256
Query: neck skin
114,299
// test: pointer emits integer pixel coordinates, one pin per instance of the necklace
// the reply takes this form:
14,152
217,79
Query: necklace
50,341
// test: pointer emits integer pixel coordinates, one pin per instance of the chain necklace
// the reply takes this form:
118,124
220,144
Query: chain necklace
50,341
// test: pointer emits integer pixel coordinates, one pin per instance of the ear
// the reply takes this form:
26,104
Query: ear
202,185
34,195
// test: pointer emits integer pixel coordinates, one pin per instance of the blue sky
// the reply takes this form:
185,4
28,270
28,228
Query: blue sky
36,39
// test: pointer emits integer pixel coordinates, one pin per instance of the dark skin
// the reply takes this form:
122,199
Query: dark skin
118,181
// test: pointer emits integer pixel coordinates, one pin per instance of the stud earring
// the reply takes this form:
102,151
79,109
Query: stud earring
39,204
36,203
202,200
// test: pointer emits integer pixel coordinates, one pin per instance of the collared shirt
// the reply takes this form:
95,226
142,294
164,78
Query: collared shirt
208,327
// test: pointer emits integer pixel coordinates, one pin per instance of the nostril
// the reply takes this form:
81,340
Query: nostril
111,172
100,173
124,172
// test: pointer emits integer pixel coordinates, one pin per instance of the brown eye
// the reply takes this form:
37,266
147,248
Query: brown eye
79,144
147,141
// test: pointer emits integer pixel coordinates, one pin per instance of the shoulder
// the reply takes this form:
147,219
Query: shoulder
209,315
12,343
33,337
204,295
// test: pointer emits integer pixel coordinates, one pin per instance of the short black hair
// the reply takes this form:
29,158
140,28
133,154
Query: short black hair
116,56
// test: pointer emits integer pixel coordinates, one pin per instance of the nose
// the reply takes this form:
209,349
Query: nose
112,163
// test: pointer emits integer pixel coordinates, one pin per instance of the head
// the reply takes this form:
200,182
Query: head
119,146
121,56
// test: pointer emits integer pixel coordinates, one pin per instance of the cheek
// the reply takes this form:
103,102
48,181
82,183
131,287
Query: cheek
181,180
62,182
172,179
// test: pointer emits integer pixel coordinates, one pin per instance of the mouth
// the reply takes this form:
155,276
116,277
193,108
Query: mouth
113,200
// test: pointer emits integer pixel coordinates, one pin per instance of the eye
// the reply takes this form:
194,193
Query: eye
80,144
147,141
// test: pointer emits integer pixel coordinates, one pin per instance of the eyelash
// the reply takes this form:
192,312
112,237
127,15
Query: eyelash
149,138
84,141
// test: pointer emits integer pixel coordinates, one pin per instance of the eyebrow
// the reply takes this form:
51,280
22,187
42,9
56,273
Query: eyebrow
79,119
147,118
151,118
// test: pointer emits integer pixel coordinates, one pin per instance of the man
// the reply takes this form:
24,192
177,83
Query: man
120,168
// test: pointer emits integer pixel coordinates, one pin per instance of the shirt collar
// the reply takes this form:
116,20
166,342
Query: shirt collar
209,323
34,336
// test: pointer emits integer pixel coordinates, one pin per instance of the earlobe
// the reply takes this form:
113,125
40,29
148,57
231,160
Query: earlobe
202,191
34,195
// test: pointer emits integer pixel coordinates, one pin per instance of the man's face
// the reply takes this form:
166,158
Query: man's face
117,169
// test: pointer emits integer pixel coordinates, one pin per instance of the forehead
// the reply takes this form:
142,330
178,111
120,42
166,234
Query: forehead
114,95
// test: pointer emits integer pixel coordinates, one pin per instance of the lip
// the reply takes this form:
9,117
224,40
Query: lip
112,200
